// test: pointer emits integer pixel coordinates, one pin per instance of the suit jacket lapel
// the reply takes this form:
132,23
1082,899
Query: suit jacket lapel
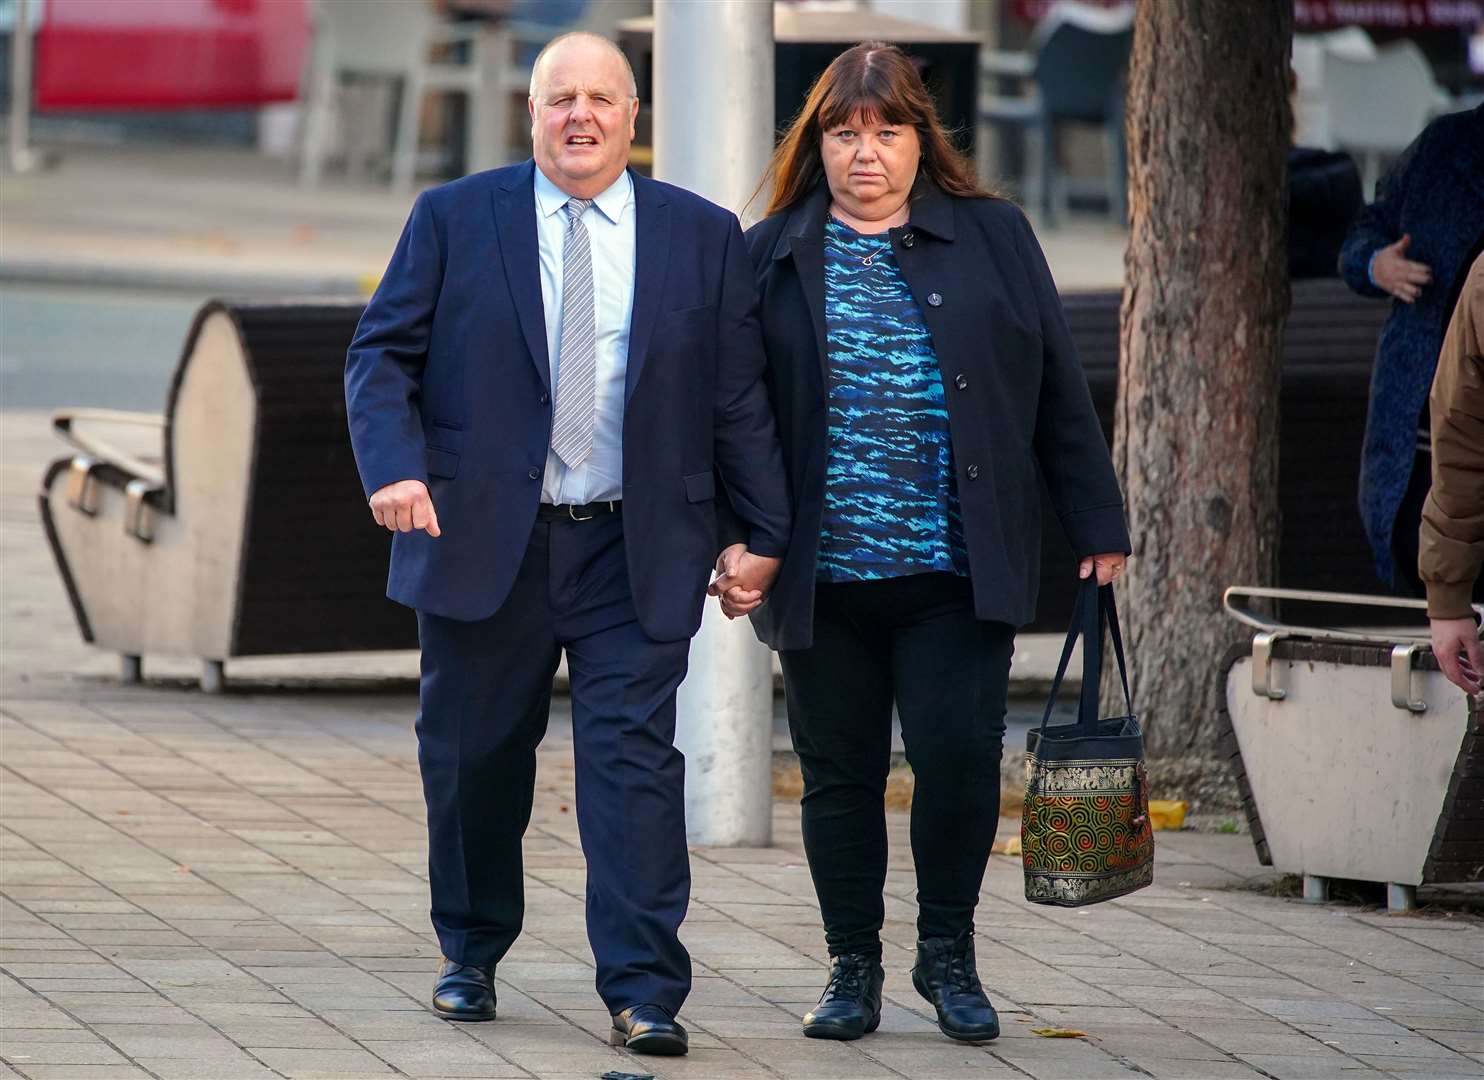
515,224
651,267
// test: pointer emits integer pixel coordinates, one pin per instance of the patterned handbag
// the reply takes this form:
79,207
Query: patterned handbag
1085,833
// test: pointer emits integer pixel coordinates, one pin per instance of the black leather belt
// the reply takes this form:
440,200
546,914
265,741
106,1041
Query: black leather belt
571,512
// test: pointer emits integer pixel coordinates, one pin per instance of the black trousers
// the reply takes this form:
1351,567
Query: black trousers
912,641
486,690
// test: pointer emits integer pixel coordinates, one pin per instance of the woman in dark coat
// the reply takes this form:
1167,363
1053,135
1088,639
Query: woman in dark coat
922,374
1414,244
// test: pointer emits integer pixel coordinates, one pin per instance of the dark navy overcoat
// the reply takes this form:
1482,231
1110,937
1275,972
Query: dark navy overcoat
1018,402
1435,194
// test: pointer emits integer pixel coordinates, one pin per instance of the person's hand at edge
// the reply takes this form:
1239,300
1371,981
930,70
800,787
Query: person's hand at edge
1455,642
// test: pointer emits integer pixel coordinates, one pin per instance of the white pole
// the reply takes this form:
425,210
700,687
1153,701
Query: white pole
713,132
22,158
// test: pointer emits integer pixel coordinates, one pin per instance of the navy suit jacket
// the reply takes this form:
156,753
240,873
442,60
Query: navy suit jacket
447,381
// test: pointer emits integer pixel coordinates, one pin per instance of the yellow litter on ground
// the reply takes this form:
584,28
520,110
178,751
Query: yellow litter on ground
1059,1033
1167,813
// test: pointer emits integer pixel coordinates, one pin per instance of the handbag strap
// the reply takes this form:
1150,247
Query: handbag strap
1116,636
1093,610
1066,655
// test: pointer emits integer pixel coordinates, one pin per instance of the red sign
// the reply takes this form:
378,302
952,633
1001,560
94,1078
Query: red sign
1388,14
1328,14
144,54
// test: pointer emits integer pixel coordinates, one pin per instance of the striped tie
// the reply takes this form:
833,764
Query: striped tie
572,427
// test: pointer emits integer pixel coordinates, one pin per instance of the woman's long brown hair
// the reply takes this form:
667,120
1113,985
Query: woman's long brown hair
878,80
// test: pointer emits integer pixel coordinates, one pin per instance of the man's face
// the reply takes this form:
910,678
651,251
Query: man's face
582,117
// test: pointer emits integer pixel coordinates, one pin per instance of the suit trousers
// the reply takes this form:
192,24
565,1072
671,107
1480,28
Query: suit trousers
914,642
485,697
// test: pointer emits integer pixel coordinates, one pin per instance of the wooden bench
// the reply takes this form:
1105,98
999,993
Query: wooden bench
245,533
1328,348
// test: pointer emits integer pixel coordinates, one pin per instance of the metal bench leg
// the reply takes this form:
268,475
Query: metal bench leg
1401,897
131,669
1316,889
213,676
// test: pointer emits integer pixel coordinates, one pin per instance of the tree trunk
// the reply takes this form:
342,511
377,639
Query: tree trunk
1196,438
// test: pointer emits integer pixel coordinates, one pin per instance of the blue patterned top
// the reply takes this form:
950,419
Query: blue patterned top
890,501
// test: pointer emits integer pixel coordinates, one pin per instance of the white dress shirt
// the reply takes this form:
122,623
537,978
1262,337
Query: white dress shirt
610,227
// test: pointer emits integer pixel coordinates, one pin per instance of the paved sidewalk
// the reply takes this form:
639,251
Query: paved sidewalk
233,221
234,887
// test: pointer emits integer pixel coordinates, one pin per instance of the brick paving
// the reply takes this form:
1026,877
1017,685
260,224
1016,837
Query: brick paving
234,887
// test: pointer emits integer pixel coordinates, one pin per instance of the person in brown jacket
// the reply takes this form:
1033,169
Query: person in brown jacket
1452,536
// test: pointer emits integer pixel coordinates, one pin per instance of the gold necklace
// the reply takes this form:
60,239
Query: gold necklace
865,260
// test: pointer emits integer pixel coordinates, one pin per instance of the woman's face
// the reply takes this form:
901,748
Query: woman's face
870,166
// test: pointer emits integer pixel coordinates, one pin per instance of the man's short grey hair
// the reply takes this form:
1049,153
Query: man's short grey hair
554,42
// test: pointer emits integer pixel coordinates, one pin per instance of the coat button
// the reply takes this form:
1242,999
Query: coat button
908,239
545,399
961,381
534,474
972,472
934,300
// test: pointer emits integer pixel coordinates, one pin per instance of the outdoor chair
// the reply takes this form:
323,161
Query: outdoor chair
1079,55
244,531
385,45
1310,105
1377,107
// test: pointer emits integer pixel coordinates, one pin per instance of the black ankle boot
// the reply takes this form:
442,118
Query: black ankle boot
851,1004
945,974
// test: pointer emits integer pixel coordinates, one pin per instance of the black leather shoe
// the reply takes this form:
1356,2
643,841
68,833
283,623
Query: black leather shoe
648,1029
945,974
464,992
851,1004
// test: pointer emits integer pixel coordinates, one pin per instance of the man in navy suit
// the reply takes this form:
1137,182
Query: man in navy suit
558,377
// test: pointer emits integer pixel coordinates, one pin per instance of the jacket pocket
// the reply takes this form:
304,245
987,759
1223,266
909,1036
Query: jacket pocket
700,486
444,463
445,437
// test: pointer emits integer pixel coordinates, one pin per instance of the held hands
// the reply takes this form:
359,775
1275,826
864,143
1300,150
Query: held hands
1108,566
404,506
1455,642
742,579
1399,275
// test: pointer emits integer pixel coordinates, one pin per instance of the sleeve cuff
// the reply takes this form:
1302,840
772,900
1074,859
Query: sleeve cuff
1370,268
374,482
1449,600
766,547
1098,530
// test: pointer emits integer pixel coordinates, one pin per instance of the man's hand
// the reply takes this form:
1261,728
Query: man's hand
404,506
742,580
1455,642
1108,566
1400,276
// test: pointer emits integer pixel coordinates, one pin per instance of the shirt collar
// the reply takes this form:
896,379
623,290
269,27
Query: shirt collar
611,200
